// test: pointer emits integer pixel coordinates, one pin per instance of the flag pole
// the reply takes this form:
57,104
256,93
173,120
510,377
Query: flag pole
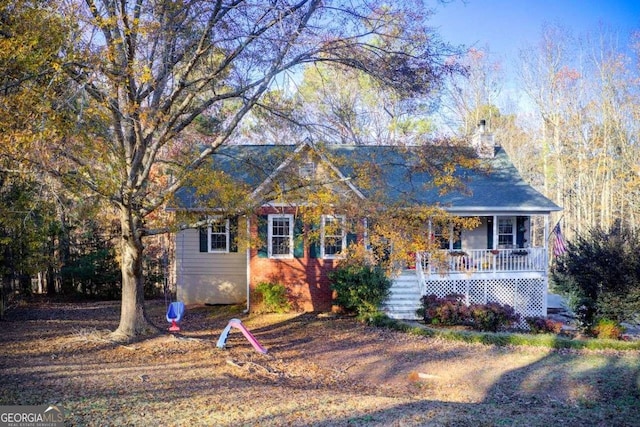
554,227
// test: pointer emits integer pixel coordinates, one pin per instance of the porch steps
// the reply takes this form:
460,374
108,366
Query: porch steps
405,297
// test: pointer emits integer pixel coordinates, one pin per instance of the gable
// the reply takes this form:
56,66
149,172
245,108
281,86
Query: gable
306,169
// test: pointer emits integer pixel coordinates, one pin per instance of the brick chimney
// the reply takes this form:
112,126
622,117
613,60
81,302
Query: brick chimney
483,141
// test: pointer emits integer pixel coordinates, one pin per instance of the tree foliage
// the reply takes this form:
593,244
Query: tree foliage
339,105
601,273
147,90
27,226
585,98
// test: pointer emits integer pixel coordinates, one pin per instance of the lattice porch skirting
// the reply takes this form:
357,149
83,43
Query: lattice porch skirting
527,293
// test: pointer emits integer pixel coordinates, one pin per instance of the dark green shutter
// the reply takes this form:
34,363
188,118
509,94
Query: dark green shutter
457,235
298,238
263,224
520,231
233,234
351,238
490,233
204,239
314,242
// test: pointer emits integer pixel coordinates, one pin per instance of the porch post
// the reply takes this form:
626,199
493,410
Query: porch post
546,239
545,285
494,246
495,232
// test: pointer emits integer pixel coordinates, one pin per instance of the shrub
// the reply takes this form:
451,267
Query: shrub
542,325
601,275
492,316
450,310
608,329
377,318
360,288
274,297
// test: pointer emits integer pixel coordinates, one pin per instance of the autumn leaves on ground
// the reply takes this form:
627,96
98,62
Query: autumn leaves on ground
319,371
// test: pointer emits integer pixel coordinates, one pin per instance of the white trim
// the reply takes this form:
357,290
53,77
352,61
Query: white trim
514,230
271,217
343,221
227,233
495,210
341,175
271,178
306,143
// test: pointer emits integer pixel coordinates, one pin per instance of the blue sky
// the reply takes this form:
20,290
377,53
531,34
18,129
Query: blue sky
506,26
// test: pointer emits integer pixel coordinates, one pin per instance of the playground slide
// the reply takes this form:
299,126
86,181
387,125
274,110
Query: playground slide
236,323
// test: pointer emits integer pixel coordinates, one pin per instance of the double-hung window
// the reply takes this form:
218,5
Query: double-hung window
281,236
218,235
506,232
446,236
333,239
438,237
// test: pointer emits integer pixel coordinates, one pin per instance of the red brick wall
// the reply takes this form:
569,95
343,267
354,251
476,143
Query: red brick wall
305,278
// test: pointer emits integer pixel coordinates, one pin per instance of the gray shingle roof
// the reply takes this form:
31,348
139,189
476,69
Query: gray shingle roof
498,188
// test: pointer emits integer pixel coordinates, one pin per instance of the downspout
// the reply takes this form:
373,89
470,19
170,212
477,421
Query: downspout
248,265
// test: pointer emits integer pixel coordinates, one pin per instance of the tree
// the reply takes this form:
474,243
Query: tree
471,97
27,220
585,95
144,72
348,106
601,274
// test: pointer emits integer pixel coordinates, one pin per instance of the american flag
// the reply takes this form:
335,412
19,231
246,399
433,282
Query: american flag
559,246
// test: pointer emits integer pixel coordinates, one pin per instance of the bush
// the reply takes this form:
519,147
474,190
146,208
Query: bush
542,325
608,329
492,316
360,288
601,275
274,297
378,319
450,310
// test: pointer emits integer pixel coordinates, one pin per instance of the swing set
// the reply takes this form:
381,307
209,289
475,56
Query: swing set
175,309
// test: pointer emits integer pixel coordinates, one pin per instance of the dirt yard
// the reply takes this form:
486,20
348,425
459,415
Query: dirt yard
319,371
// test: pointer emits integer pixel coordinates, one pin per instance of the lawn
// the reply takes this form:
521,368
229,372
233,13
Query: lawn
319,371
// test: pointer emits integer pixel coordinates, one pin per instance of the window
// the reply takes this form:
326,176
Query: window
218,235
438,237
449,239
333,236
506,232
280,236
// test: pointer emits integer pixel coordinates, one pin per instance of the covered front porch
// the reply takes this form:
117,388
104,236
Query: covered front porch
503,260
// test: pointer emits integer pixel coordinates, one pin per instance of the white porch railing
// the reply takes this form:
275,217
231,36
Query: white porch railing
473,261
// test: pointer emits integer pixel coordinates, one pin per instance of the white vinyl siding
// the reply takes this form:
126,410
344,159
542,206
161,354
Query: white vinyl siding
208,277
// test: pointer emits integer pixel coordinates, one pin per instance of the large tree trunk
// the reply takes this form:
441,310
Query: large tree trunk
133,319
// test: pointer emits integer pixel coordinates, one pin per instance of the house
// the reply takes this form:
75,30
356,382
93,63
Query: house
503,259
